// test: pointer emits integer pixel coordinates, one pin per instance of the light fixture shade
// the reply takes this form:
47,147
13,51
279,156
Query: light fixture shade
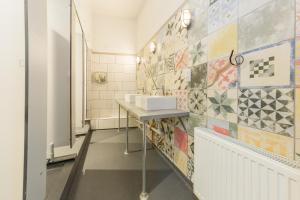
138,60
152,47
186,18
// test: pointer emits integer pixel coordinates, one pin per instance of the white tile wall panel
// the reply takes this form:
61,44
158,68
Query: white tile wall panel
108,59
99,67
129,69
95,59
121,79
126,60
115,68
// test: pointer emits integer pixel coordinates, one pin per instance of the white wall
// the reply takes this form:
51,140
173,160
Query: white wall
58,109
37,101
12,101
152,17
114,35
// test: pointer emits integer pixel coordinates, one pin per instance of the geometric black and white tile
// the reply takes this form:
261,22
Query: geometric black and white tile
267,109
262,68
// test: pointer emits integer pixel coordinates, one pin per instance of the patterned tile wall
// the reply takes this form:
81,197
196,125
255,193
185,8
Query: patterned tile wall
257,102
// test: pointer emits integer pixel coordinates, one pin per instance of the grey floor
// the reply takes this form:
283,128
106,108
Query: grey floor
57,176
108,174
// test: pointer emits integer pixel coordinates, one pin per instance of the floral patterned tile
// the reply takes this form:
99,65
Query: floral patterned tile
297,60
168,142
180,82
181,33
181,123
198,27
267,109
297,151
181,140
222,104
175,36
181,160
195,120
197,101
222,127
297,112
181,59
170,29
222,42
199,74
182,99
221,13
272,23
221,74
274,143
198,52
169,46
159,142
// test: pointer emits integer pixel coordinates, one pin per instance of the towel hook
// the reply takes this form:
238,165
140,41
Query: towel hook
239,59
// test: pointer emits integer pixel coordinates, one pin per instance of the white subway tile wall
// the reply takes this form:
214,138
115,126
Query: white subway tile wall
121,79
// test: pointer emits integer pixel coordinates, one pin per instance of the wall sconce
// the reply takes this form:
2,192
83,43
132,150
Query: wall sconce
186,18
138,60
152,47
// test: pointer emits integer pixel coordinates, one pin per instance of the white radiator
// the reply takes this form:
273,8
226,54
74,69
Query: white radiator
226,170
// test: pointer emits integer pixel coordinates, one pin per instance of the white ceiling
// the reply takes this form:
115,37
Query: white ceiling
128,9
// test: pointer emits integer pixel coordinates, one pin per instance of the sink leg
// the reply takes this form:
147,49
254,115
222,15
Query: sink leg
144,195
119,118
127,122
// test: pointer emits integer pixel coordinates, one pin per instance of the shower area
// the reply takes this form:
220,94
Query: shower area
110,77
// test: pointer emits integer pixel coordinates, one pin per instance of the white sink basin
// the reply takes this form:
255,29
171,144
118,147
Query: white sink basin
130,98
155,102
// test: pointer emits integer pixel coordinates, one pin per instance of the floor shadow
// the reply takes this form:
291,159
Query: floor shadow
117,184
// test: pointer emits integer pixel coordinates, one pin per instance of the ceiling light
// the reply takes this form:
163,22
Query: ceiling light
186,18
152,47
138,60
